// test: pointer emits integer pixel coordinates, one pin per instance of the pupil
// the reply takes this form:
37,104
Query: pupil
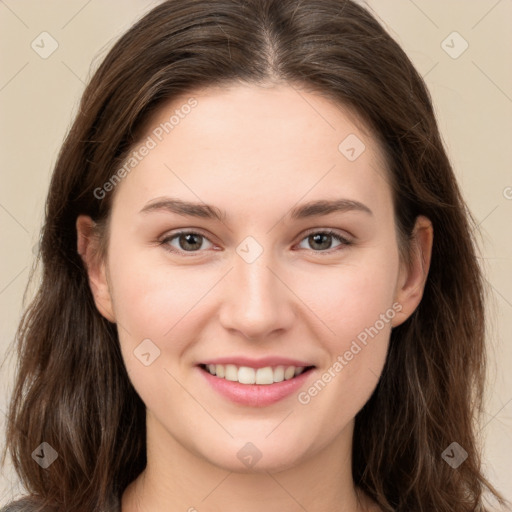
320,239
188,244
317,239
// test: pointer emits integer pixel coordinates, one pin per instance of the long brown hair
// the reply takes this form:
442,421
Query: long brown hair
72,390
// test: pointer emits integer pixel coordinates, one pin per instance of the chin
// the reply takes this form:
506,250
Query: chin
257,456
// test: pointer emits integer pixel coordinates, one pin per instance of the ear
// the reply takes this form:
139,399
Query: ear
88,248
413,275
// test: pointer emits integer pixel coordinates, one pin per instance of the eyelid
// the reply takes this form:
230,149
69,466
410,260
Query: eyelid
343,239
182,231
346,237
165,239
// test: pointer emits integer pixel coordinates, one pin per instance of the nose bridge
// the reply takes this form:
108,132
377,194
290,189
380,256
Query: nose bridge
257,302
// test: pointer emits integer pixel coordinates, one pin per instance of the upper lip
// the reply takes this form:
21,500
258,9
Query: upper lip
257,363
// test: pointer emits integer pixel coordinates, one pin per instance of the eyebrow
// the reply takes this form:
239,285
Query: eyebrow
206,211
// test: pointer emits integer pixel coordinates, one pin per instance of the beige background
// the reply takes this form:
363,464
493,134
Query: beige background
473,98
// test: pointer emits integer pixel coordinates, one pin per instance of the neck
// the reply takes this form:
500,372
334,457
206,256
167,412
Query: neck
177,479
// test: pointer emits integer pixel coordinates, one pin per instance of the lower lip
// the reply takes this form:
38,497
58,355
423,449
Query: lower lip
255,395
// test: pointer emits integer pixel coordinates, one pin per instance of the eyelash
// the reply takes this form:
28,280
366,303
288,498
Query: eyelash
344,242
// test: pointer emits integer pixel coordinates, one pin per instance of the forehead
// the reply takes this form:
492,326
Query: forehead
260,142
279,115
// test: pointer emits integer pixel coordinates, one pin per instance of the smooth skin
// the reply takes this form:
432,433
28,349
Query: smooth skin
254,152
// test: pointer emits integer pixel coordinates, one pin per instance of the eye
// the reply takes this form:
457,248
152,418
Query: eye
321,241
185,241
193,242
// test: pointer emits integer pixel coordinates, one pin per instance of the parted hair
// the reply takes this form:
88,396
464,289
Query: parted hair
72,389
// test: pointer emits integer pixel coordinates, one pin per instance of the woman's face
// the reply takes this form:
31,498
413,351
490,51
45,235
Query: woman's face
256,282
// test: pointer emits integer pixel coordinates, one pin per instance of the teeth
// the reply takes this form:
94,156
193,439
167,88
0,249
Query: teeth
247,375
289,372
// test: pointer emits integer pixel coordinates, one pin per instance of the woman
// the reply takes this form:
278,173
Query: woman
260,287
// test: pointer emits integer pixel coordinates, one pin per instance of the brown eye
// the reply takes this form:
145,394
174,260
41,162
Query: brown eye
187,241
321,241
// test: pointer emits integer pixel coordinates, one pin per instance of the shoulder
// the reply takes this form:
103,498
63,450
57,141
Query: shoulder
21,505
26,504
32,504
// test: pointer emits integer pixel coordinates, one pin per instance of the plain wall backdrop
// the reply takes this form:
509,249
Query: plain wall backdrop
461,47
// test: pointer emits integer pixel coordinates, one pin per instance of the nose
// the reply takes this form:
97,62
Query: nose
257,303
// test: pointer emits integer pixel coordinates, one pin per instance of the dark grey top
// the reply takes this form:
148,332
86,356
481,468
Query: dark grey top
28,504
21,505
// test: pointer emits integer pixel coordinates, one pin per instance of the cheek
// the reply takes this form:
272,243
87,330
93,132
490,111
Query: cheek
154,300
153,297
358,309
162,304
352,297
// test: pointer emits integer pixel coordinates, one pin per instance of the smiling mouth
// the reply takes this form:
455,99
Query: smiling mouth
247,375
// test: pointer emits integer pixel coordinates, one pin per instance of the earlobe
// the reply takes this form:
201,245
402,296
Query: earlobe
88,248
413,276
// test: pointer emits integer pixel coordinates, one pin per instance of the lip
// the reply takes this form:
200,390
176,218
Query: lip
255,395
258,363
